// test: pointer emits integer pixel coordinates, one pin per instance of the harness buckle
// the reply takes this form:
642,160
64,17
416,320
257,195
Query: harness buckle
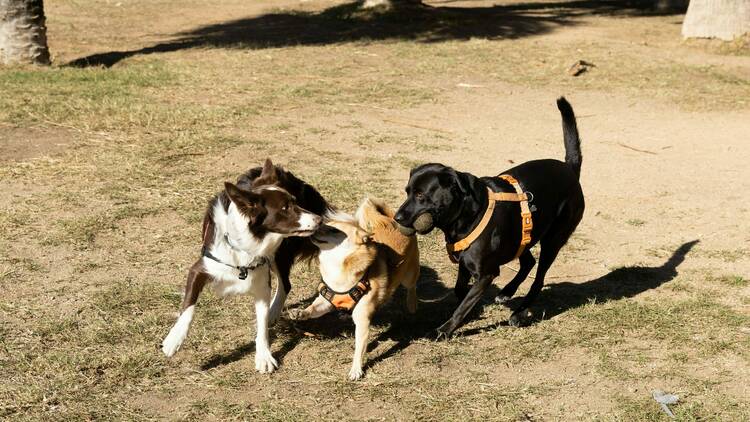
356,294
243,273
345,301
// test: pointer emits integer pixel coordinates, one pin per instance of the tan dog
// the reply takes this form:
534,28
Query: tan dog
363,259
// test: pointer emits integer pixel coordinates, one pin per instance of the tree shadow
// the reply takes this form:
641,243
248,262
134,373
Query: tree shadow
349,22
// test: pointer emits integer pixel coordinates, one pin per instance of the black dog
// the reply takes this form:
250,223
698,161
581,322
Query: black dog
455,202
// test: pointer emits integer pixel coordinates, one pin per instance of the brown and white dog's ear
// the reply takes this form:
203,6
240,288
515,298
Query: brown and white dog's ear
237,195
267,175
247,202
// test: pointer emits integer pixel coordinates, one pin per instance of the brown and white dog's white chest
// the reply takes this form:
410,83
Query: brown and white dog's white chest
230,248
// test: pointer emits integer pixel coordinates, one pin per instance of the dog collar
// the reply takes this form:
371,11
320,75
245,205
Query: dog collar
257,262
345,301
492,197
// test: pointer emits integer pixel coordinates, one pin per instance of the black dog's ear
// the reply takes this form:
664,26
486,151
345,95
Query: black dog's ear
268,175
247,202
462,184
419,167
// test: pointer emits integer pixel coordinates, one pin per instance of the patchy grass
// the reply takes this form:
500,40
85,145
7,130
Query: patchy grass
734,280
96,240
636,222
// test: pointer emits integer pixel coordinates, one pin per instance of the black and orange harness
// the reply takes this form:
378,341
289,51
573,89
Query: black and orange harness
526,221
345,301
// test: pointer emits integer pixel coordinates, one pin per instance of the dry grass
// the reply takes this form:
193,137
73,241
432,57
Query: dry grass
96,240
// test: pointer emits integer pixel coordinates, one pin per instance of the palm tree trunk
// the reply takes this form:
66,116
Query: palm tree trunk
23,33
390,3
723,19
667,6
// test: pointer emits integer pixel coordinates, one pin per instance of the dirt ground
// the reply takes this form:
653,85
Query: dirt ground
107,160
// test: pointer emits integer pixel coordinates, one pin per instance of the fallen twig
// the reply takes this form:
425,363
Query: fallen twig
580,67
183,154
636,149
416,125
367,105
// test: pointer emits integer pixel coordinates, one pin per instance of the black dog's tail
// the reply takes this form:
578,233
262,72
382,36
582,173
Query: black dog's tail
570,133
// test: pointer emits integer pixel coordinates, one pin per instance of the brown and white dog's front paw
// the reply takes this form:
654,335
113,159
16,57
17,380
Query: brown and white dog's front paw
356,373
177,334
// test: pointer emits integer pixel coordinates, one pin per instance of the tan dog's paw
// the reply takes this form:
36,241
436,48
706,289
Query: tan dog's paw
299,314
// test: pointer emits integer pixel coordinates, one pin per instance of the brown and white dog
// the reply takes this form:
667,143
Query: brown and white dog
363,259
242,230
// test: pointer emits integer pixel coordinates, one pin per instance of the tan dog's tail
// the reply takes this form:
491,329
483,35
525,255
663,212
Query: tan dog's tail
375,215
402,252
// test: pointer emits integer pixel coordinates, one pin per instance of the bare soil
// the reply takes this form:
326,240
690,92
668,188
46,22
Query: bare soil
107,165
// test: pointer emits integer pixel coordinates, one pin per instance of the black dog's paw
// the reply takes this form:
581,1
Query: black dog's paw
443,332
501,299
519,318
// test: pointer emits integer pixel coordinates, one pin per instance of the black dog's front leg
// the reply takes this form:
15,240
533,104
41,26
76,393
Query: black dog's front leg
527,262
462,282
471,299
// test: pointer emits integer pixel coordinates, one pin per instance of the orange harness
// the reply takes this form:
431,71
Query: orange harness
345,301
526,221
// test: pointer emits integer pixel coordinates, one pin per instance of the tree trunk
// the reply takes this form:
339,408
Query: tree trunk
723,19
667,6
390,3
23,33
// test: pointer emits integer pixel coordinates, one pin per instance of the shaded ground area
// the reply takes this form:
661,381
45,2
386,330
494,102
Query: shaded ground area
349,22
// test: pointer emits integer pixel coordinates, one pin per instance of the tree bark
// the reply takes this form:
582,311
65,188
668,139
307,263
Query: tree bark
723,19
666,6
390,3
23,32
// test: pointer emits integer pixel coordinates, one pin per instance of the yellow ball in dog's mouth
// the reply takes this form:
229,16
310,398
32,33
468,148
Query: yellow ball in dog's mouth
423,223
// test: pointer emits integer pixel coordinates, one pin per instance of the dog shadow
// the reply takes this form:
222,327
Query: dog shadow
437,303
621,283
239,353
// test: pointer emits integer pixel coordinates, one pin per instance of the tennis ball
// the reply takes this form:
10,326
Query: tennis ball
423,223
406,231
